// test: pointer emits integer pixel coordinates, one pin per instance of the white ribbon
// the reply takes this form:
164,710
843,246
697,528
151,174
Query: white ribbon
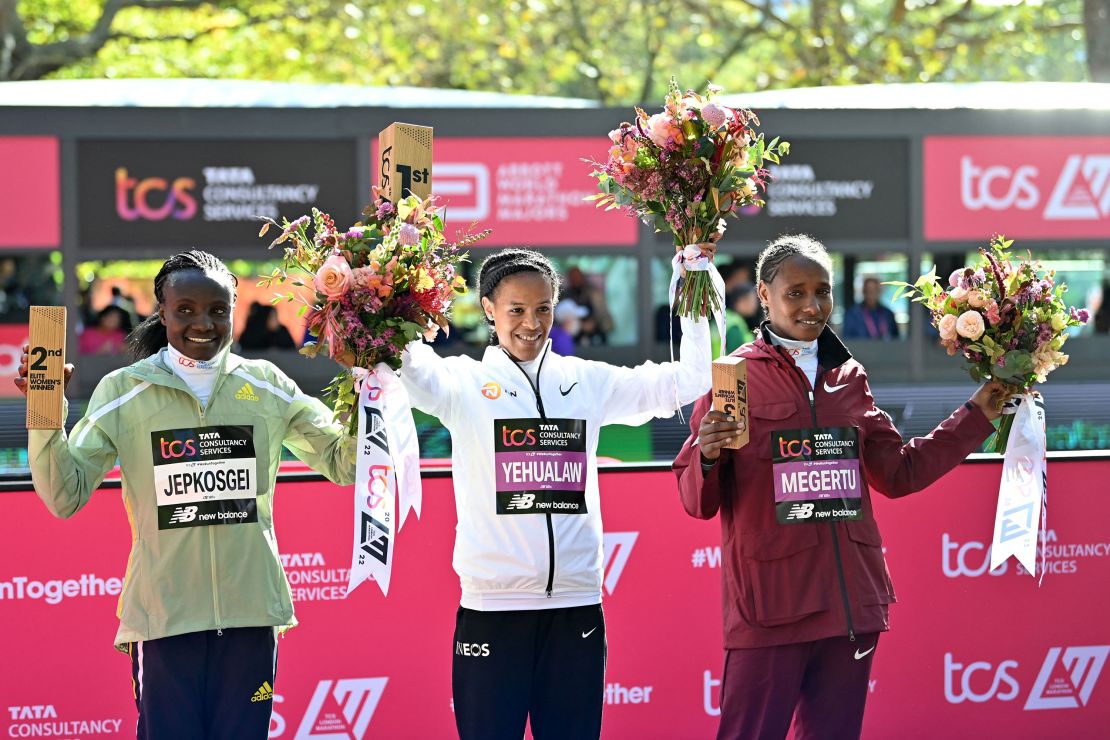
1022,514
387,473
692,258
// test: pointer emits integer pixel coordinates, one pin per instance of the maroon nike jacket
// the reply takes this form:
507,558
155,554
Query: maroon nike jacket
792,583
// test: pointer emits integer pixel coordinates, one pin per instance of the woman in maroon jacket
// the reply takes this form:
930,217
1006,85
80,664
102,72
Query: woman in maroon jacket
806,588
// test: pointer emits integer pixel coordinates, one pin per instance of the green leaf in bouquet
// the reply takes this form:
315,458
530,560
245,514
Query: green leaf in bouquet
310,349
302,311
706,147
1016,364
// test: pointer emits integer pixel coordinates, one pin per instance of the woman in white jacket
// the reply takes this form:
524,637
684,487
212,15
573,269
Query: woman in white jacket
524,422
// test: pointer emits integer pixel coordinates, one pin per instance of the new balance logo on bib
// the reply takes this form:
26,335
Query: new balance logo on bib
540,466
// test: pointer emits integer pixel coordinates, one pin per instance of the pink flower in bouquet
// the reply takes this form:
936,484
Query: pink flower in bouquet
970,325
976,299
715,115
663,131
956,277
947,327
993,315
334,277
408,235
958,294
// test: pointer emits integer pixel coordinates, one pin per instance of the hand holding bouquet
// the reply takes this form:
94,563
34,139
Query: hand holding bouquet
1007,319
685,170
378,285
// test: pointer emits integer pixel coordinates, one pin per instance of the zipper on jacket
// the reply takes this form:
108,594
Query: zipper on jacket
842,582
543,415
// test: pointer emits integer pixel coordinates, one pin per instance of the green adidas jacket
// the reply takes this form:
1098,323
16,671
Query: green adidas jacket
198,486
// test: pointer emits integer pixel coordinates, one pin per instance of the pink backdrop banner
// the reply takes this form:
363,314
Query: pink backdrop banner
30,192
12,337
530,191
1026,187
971,654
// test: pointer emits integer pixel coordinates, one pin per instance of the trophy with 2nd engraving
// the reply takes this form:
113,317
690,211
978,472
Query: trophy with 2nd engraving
46,367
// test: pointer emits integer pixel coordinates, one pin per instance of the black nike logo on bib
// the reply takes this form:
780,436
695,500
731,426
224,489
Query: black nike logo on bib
568,390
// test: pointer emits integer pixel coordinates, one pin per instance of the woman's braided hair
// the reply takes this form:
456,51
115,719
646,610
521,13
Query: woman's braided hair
501,265
790,245
150,336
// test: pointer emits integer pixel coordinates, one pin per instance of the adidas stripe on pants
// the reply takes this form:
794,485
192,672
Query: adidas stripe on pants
212,685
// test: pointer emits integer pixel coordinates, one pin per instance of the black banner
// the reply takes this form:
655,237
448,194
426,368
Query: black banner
207,194
834,189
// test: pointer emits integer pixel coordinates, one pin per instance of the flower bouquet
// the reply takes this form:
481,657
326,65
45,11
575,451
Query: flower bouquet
685,170
378,285
375,287
1007,319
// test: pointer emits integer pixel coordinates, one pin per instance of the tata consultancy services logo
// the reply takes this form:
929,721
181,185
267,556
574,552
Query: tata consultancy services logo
1067,677
491,390
154,198
618,547
341,708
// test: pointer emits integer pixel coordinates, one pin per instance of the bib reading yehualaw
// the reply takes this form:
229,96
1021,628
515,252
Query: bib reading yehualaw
540,466
817,477
204,476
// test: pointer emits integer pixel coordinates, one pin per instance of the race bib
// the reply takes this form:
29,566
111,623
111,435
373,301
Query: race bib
204,476
816,472
540,466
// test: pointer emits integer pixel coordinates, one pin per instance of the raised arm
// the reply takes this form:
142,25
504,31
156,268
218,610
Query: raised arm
635,395
895,468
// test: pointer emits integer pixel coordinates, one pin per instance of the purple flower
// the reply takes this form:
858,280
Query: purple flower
1082,315
353,233
385,209
408,235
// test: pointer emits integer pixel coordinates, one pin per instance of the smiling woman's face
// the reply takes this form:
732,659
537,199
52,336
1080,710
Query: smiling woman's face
799,299
196,310
522,314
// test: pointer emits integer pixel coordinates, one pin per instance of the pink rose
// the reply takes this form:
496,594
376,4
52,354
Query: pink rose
663,132
976,299
970,325
958,294
334,277
956,276
947,327
715,115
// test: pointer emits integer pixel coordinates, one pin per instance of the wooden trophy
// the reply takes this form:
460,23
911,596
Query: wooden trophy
730,394
405,161
45,367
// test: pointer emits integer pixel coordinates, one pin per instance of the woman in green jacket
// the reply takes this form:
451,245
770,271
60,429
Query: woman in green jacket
198,433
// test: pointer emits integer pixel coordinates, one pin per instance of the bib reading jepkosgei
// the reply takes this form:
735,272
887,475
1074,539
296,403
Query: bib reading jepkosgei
540,466
817,476
205,476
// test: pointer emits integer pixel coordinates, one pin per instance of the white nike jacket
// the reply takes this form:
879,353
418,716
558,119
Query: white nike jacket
525,460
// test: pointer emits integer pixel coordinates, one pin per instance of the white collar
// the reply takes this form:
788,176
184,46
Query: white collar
795,347
179,363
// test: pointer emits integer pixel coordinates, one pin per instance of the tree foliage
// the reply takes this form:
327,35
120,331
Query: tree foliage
615,53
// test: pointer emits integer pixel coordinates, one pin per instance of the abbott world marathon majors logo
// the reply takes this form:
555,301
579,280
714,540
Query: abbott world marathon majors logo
338,710
48,720
1066,680
973,558
311,579
223,194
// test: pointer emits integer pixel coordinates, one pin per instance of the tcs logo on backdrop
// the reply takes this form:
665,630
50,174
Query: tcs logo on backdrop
154,198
